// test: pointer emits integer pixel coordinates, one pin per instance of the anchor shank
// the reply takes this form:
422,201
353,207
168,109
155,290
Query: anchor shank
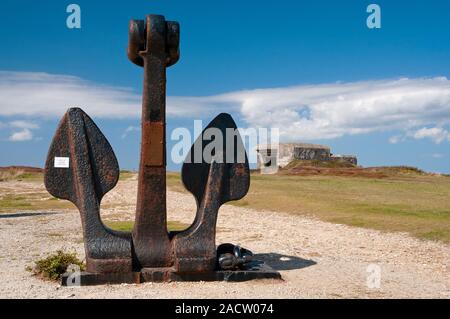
150,234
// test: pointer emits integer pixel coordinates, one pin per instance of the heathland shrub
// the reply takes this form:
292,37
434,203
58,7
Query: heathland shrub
53,266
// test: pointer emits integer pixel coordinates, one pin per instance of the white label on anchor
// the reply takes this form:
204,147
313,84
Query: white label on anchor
61,162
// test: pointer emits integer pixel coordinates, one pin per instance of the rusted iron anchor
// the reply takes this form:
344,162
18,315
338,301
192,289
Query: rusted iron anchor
81,167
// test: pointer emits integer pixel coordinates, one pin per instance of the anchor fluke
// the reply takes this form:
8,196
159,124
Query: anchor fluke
231,154
81,167
79,147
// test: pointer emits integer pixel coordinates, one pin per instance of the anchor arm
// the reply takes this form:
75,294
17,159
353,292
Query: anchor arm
195,247
213,184
91,170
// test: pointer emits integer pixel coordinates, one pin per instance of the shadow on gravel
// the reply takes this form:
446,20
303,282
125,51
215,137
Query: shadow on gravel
14,215
284,262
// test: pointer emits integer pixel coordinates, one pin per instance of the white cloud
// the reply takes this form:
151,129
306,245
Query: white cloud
303,112
24,124
309,112
130,129
21,136
49,95
396,139
436,134
437,155
21,130
334,110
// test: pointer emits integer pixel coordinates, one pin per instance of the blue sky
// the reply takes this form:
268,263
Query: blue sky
312,68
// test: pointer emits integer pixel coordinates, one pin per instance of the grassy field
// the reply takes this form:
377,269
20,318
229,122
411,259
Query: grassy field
39,199
19,199
128,225
415,203
31,201
402,200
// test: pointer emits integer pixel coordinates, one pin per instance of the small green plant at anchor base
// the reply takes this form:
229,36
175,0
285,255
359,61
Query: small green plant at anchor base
55,265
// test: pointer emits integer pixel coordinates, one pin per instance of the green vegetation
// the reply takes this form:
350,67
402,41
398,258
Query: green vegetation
398,198
13,199
124,175
317,163
19,175
408,200
399,170
31,201
173,181
13,202
53,266
128,225
55,235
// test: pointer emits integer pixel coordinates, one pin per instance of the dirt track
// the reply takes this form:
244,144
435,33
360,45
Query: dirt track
316,259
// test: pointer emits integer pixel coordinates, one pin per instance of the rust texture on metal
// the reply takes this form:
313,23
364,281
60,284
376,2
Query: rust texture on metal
153,50
150,252
92,171
153,139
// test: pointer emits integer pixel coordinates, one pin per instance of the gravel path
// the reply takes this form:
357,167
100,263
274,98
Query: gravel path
316,259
